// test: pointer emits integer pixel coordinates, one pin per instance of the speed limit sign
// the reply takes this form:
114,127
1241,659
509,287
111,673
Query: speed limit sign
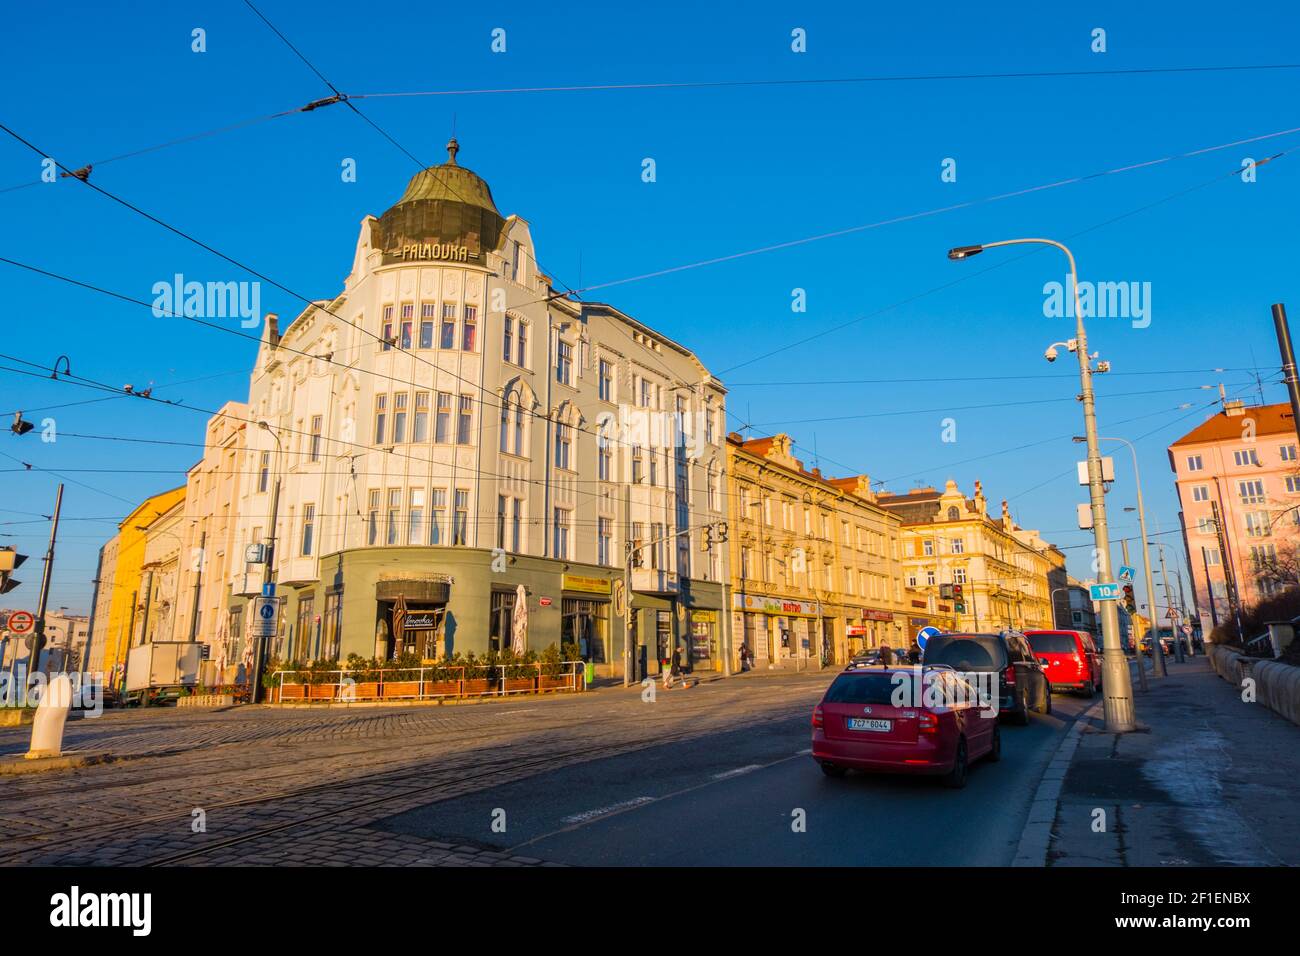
21,622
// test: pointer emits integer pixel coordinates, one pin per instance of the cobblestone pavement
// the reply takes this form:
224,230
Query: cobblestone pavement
294,787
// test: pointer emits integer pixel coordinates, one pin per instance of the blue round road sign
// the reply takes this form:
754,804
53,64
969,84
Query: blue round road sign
924,634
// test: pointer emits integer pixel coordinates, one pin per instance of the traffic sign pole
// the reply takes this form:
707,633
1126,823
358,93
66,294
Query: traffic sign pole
34,661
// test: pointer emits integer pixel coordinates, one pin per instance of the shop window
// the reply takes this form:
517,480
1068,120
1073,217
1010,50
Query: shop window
586,624
500,622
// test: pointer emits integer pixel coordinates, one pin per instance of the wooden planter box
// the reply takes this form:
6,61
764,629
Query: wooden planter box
516,685
321,691
365,690
441,688
293,692
271,696
479,685
555,683
402,688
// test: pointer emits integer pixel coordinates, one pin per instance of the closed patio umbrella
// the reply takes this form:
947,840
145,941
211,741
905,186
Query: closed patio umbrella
519,622
219,652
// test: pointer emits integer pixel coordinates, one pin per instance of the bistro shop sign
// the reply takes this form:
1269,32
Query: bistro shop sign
423,621
754,602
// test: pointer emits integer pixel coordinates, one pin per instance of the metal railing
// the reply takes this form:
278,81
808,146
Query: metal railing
427,683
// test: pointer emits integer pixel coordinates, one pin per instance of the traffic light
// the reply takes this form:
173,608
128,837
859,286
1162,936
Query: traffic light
9,560
1130,602
959,598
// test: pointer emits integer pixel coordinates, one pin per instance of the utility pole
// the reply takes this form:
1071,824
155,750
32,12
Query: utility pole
268,570
1225,561
628,552
1209,587
38,639
1169,607
1132,627
1288,362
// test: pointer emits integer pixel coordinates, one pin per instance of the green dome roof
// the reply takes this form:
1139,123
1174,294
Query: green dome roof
443,205
451,183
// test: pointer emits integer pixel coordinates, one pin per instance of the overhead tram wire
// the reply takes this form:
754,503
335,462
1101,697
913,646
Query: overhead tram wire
192,137
1235,171
938,210
1062,376
827,81
981,407
346,99
73,379
314,304
307,452
1198,408
726,493
998,265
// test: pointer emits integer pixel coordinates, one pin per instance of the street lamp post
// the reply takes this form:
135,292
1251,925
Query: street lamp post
1117,685
268,570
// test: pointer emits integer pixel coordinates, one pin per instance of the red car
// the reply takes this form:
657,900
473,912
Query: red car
901,719
1070,659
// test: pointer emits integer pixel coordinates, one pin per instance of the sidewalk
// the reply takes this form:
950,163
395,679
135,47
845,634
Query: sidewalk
710,677
1207,780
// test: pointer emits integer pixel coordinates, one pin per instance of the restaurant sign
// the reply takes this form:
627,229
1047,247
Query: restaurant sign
586,584
420,621
767,605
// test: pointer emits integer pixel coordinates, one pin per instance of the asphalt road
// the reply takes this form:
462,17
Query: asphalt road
734,797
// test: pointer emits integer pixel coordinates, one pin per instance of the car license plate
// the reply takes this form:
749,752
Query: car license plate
864,723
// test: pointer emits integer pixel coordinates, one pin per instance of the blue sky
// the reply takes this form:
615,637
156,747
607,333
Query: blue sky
737,168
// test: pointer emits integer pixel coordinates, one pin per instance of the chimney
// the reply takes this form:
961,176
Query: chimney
1234,407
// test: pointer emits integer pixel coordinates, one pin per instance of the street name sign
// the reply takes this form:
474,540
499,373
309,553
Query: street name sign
1109,591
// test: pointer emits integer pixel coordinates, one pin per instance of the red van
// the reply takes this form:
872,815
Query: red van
903,719
1070,658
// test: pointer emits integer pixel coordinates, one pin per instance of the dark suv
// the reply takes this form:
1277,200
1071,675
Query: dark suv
1021,680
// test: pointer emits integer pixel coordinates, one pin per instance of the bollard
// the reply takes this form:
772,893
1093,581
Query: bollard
51,715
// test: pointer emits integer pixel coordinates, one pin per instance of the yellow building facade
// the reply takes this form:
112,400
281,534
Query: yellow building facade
1006,573
126,584
815,562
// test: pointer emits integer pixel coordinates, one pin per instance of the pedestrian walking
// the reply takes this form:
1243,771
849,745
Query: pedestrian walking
886,654
677,671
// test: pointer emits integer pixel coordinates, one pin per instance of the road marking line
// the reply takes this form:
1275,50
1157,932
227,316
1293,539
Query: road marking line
605,811
582,820
804,752
737,772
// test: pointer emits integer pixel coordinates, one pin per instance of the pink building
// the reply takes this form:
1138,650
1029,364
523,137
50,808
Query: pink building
1241,465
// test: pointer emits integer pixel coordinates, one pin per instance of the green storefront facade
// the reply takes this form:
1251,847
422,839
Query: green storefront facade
461,600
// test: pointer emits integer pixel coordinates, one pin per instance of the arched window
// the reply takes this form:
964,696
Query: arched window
512,424
953,513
